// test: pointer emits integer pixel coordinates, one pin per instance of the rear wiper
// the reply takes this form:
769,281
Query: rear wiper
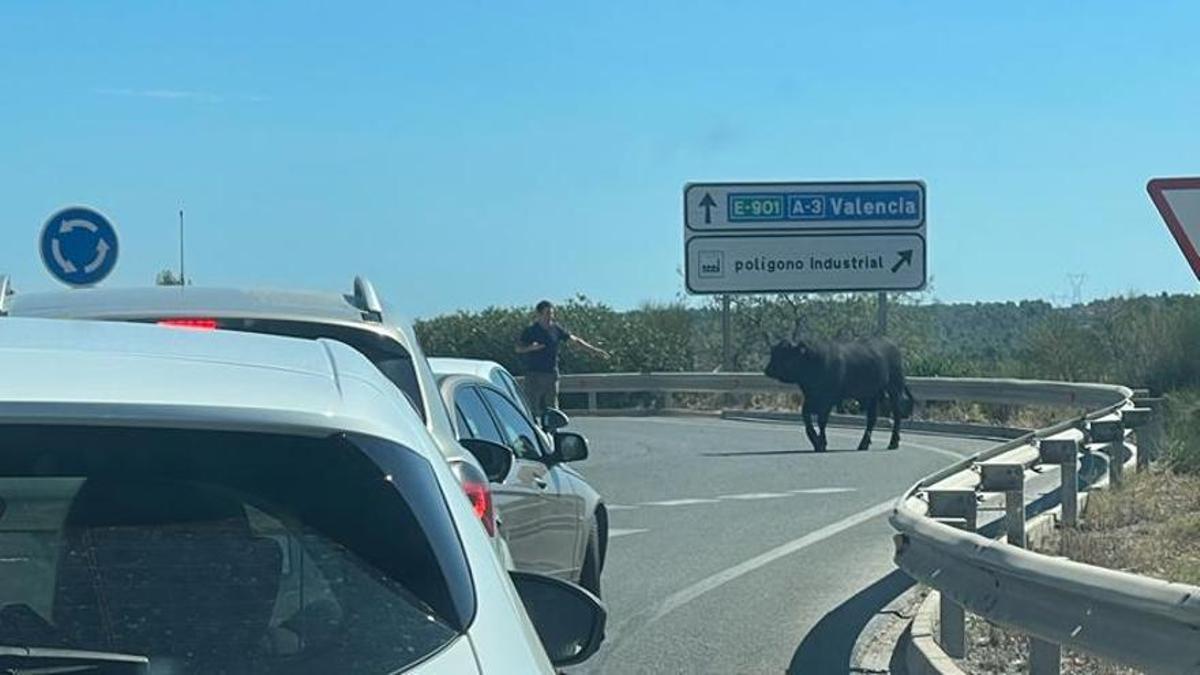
49,661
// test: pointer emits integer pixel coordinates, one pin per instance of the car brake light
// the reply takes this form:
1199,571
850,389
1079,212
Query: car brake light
475,484
194,324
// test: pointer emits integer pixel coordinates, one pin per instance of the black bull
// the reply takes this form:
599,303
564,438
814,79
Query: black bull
829,373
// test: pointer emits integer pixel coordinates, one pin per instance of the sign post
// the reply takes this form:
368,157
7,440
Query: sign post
79,246
881,313
804,237
726,347
1178,202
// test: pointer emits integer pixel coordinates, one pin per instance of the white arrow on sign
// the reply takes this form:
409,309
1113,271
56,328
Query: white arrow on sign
63,263
1178,201
69,226
101,255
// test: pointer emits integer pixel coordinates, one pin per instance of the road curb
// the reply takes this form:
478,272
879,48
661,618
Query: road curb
924,426
886,632
925,656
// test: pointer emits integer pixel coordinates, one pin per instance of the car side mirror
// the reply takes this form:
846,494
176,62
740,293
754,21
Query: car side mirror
568,619
570,447
495,459
554,419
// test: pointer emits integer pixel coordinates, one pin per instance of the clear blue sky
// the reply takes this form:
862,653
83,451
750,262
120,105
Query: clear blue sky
468,154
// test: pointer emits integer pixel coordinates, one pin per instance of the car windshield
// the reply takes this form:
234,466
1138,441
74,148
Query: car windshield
226,552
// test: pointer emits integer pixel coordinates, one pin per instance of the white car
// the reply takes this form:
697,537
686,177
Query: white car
179,502
554,521
358,319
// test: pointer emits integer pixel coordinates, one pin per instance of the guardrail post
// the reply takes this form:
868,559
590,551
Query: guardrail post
1009,479
1111,431
1136,419
1045,658
1063,449
1152,436
958,508
591,401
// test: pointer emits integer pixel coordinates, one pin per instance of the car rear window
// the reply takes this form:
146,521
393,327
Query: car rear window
227,552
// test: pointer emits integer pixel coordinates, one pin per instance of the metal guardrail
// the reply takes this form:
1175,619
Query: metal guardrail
977,390
1148,623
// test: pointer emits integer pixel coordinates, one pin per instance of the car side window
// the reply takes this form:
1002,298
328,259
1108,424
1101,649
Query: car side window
476,421
514,390
518,431
464,427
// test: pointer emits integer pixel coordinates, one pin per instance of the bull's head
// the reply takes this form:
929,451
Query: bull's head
790,361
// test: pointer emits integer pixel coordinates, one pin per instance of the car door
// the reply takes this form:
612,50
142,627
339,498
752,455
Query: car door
522,499
564,508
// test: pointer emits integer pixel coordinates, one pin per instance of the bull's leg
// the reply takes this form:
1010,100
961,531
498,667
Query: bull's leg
822,420
894,397
872,407
808,410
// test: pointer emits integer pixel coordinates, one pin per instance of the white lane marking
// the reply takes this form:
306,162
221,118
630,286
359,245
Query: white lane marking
823,491
619,507
940,451
616,532
748,496
756,495
679,502
711,583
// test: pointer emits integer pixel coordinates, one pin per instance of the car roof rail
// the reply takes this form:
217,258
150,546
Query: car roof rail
367,300
5,291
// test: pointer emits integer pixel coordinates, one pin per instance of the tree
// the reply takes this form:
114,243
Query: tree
168,277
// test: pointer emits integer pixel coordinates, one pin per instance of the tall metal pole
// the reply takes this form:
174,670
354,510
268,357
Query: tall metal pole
726,351
881,316
182,273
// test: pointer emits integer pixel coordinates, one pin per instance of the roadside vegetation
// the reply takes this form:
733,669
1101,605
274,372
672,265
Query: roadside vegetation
1139,341
1143,341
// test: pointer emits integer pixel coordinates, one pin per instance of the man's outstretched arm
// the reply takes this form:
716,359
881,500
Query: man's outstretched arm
589,346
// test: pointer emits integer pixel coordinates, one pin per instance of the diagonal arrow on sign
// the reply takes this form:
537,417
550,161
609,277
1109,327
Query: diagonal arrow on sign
1178,202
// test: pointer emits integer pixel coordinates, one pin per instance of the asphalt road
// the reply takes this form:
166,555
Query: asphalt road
735,549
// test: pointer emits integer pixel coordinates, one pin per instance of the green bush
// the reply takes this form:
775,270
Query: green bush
651,338
1148,341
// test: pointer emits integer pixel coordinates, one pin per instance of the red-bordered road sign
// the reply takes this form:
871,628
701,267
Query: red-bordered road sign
1178,201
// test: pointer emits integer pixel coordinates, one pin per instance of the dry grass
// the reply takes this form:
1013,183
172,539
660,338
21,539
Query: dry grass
1149,526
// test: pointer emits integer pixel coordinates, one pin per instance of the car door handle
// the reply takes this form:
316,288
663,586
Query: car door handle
540,482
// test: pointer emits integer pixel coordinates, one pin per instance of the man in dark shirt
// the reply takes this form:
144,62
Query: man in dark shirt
539,344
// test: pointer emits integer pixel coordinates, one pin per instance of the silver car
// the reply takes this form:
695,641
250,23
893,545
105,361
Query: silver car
555,523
